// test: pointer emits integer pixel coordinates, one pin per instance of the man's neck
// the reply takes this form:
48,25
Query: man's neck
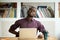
29,18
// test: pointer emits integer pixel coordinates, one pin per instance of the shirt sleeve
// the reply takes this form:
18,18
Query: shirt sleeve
40,27
14,26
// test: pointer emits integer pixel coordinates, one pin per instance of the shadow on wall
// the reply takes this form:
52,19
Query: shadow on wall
59,37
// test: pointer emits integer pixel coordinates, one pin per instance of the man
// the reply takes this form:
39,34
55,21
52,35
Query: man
28,22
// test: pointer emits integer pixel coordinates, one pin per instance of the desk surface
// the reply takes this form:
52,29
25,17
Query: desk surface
16,38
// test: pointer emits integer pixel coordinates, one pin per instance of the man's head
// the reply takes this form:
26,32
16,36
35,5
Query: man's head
31,12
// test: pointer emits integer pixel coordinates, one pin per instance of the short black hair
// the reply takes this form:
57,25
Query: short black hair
31,8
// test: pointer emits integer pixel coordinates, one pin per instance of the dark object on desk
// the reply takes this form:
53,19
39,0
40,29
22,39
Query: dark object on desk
45,35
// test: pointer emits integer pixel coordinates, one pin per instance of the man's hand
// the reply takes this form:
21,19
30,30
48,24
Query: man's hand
17,35
40,36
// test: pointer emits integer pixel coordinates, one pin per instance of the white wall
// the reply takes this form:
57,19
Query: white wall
30,0
0,29
57,29
5,27
50,27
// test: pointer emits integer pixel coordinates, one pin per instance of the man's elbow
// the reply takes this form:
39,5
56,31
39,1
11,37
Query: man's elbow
10,31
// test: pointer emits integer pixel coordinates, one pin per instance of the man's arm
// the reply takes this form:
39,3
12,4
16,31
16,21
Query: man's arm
42,29
13,27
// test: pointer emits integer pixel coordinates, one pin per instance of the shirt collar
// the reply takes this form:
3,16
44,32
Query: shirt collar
27,19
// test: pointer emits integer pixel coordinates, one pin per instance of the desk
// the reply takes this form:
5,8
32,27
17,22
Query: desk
49,38
8,38
16,38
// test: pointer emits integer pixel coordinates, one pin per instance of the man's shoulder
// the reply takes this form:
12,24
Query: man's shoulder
36,21
20,20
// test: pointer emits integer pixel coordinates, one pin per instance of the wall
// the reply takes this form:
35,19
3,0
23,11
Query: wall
30,0
0,29
57,29
50,27
5,27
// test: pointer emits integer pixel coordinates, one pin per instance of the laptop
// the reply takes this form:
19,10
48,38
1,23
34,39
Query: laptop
27,33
